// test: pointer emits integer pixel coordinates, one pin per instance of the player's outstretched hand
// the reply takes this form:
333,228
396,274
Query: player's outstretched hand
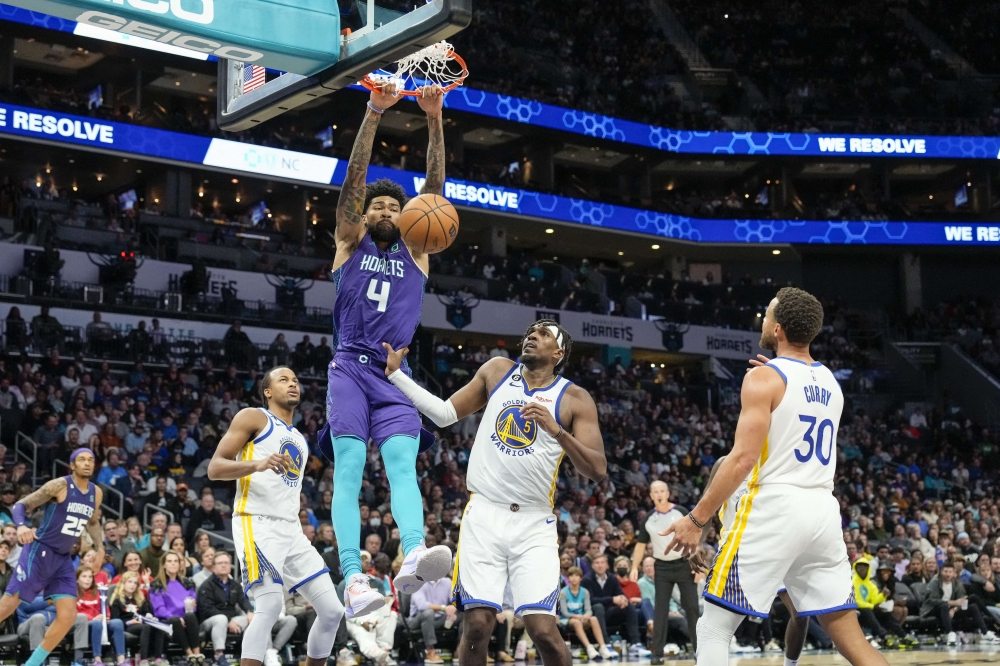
542,417
385,96
25,535
757,362
686,537
276,462
394,359
431,100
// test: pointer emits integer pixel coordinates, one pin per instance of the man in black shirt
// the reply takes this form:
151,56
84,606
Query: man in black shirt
609,603
205,517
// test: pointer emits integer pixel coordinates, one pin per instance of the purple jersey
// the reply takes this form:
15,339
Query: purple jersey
379,298
65,521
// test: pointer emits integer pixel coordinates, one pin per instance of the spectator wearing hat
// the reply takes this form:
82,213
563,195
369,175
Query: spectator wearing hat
135,441
615,547
964,545
900,561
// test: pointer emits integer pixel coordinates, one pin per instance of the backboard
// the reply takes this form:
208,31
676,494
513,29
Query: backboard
380,34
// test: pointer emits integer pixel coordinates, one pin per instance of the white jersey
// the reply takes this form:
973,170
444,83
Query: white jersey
512,460
727,512
801,445
267,493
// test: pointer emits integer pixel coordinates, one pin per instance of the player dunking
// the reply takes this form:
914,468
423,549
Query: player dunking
267,457
46,563
533,417
787,525
380,288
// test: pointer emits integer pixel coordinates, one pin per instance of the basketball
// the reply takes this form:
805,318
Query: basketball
429,223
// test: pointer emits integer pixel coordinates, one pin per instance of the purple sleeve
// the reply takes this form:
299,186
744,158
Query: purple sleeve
159,608
18,514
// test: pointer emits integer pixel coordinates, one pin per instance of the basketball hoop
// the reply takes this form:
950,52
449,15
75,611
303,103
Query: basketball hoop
437,64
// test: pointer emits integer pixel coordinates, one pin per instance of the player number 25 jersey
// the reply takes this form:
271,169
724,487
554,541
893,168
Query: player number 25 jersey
267,493
801,445
513,460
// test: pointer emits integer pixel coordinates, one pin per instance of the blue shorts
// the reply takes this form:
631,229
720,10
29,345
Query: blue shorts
40,569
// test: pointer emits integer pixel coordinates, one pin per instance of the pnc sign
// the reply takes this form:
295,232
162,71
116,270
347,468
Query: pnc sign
300,36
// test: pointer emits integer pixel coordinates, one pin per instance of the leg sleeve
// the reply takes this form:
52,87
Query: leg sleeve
399,454
322,595
349,466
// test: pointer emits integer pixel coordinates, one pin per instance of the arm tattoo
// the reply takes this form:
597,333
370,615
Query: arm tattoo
350,205
434,184
46,493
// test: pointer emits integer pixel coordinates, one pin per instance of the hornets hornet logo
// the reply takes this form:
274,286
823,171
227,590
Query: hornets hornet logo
513,430
21,575
293,473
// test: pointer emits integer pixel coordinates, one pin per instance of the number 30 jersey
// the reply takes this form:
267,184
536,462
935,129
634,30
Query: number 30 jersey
379,299
801,445
64,522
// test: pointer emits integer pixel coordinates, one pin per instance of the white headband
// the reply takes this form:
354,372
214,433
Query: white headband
557,334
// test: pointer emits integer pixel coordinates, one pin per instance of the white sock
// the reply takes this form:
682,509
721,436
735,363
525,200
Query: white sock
791,662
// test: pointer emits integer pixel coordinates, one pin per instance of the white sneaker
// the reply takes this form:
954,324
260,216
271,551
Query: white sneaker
422,565
382,658
990,637
671,649
772,646
638,651
271,657
607,654
360,598
952,638
591,653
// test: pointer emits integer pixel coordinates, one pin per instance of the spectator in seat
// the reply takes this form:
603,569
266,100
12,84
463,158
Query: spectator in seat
132,563
48,438
302,357
129,603
207,567
163,499
173,600
237,345
430,610
88,603
114,546
609,602
946,600
82,425
296,606
153,553
321,356
113,471
34,618
222,606
630,588
205,517
576,612
871,595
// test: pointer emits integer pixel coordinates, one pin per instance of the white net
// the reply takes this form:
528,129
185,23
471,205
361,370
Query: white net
436,64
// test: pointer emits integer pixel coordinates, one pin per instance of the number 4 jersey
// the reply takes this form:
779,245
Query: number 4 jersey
379,298
64,522
801,445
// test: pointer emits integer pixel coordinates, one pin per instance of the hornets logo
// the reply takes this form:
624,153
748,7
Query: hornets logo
515,431
293,474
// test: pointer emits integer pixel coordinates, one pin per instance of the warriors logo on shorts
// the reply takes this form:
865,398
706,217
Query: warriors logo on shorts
514,430
291,475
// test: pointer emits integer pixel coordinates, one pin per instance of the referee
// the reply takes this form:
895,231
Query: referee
670,569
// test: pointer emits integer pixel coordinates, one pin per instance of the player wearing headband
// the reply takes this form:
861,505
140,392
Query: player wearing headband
533,418
46,563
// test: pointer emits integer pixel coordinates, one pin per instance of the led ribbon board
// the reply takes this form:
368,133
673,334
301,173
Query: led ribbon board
300,36
40,125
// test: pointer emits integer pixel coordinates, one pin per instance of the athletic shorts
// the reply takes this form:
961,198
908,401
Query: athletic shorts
40,569
505,545
275,548
362,402
783,537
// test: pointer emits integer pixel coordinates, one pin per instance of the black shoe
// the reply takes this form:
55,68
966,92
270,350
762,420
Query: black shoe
654,660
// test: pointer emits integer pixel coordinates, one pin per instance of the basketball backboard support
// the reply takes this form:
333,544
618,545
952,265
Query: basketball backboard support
386,36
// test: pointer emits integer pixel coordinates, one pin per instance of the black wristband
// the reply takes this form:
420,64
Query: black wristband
695,521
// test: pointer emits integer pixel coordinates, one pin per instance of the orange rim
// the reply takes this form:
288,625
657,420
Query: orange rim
369,84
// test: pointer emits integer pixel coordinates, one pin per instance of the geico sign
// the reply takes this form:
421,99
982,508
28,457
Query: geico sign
165,36
174,7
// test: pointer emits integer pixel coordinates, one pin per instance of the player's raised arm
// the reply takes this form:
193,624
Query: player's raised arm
247,424
351,203
467,400
584,445
431,100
